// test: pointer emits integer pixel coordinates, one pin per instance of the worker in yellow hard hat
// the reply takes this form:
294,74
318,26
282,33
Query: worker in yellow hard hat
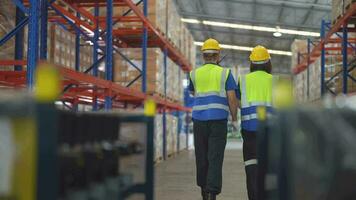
214,98
255,95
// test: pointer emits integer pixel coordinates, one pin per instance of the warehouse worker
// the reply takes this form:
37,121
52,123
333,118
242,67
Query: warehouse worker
214,89
255,94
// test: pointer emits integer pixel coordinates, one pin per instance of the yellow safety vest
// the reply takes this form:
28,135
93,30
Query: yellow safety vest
210,101
256,91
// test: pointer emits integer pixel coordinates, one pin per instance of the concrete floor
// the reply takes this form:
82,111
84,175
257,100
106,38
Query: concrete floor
175,178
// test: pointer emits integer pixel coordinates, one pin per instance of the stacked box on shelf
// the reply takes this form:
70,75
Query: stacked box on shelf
7,23
299,50
124,73
174,23
164,16
347,4
157,12
158,137
86,57
62,49
315,77
172,134
300,87
337,9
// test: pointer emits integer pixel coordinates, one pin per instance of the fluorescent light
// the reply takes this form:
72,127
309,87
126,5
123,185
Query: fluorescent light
252,27
242,48
191,21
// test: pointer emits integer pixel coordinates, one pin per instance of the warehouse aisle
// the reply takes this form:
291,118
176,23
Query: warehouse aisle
175,178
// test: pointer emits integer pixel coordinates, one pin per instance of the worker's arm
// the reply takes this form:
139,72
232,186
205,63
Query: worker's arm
238,96
233,104
231,89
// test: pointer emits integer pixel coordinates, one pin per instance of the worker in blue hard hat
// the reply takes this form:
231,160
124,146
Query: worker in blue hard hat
214,89
255,94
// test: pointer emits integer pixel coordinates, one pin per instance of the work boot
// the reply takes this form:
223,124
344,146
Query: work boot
204,194
211,196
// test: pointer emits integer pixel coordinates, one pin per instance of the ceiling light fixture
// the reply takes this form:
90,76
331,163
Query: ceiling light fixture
243,48
252,27
277,33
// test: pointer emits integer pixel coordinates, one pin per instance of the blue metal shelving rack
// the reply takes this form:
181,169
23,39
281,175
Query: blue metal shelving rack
319,49
84,24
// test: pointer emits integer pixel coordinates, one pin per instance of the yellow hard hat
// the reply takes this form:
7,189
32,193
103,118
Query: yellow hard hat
259,55
211,46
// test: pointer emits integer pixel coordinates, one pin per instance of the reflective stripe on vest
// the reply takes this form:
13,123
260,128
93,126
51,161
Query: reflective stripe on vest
211,106
252,116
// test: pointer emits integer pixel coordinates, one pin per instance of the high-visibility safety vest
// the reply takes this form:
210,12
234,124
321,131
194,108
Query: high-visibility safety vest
256,91
210,101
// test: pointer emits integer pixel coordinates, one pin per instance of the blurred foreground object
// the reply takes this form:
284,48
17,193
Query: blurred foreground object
49,154
18,147
48,83
308,154
283,93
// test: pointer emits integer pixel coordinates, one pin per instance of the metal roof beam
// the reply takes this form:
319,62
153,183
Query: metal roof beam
246,21
290,4
306,17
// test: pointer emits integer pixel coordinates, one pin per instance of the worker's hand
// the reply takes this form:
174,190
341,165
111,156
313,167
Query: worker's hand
234,125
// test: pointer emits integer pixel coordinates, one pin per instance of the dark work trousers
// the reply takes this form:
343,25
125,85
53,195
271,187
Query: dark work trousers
210,142
250,159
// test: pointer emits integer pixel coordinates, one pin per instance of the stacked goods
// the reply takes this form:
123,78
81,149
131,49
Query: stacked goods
164,16
124,73
298,48
339,7
175,78
158,137
301,84
315,81
7,23
348,3
60,43
62,49
172,134
174,21
300,87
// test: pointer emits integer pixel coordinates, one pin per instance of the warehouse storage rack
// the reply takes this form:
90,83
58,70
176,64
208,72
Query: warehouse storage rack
336,33
81,87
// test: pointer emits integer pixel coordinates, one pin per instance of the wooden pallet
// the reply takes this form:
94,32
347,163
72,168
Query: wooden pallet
172,155
158,160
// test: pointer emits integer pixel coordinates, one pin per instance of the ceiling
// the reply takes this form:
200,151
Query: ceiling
302,15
